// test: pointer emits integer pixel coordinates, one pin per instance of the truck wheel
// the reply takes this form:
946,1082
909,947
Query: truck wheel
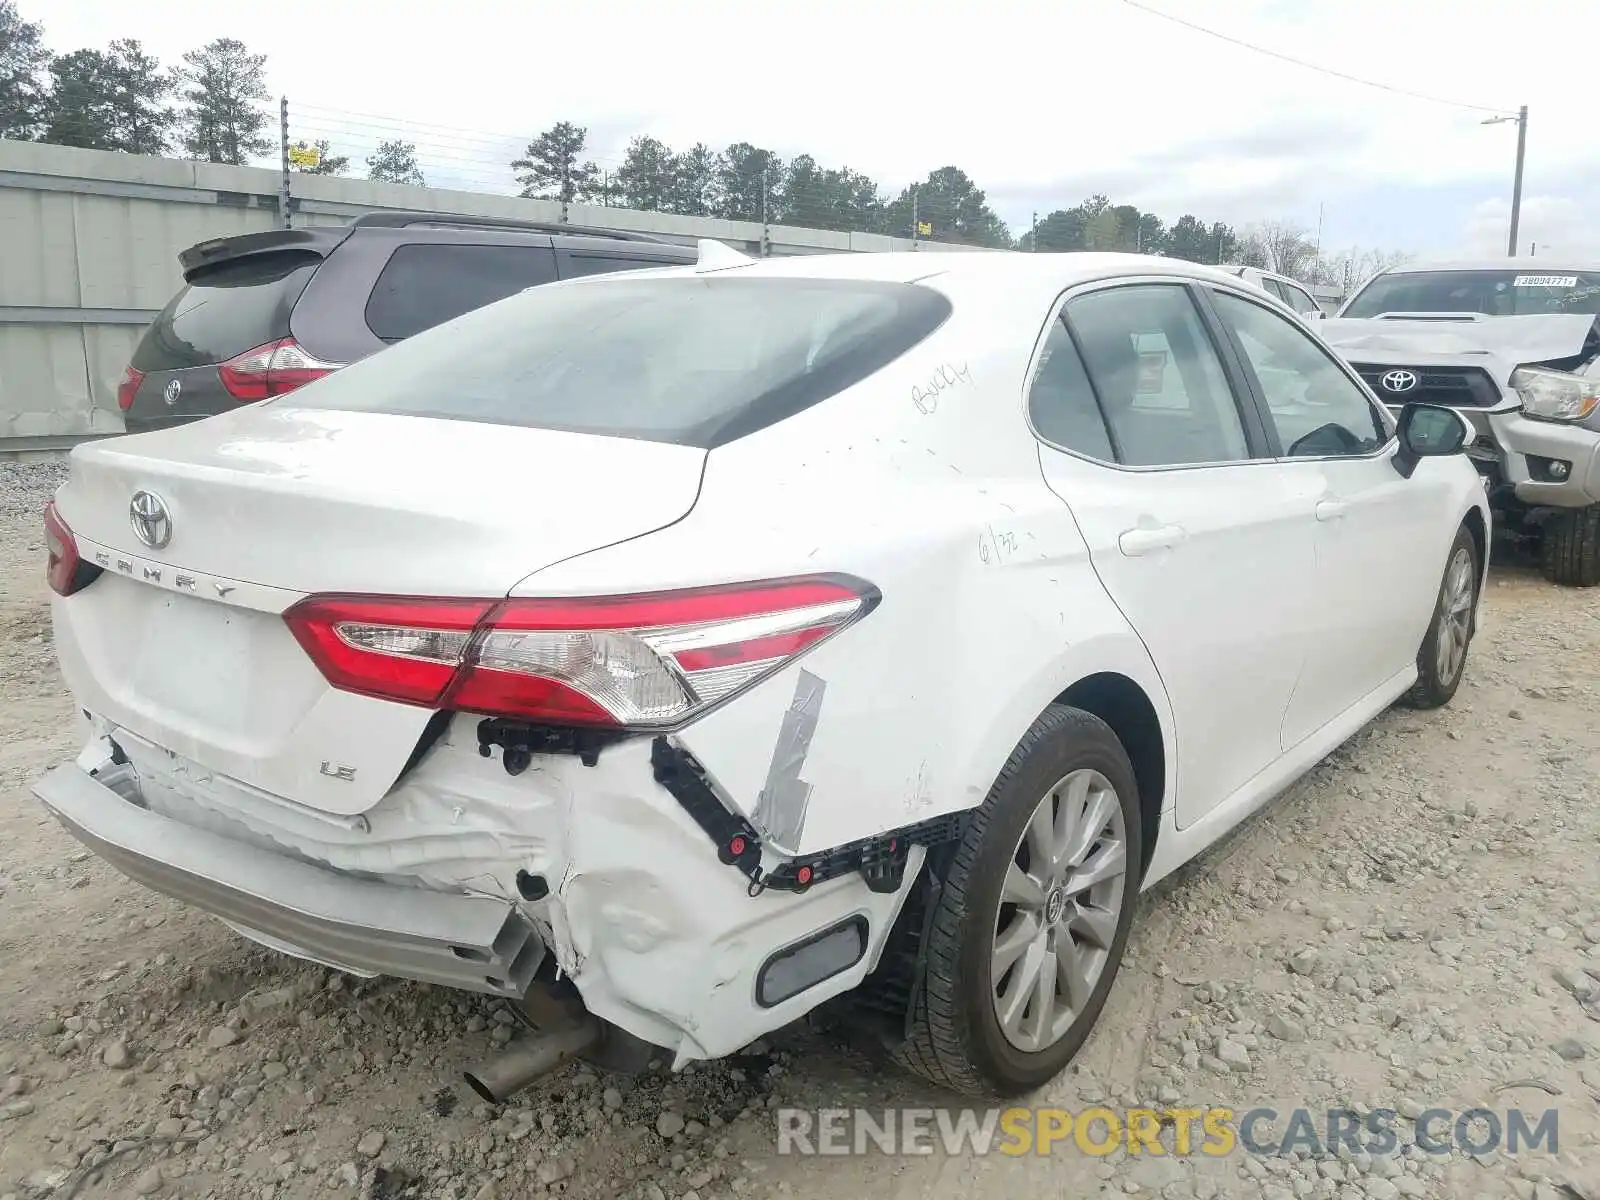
1571,547
1029,928
1442,658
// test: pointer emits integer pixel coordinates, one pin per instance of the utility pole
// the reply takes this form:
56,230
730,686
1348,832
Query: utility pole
1516,184
1320,208
283,155
1036,233
916,225
766,240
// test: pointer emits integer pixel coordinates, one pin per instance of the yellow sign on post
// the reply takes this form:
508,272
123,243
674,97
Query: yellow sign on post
302,155
925,228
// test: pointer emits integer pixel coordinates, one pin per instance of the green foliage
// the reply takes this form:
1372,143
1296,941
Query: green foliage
395,162
223,88
23,62
111,100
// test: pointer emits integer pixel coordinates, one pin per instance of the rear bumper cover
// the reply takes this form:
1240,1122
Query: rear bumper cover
361,925
661,938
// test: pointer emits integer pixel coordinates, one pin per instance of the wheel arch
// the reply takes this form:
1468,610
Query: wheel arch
1125,706
1476,523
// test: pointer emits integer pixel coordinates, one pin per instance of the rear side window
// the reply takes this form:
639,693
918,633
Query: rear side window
225,310
574,266
697,361
423,285
1062,402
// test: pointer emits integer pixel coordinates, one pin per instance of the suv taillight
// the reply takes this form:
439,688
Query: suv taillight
643,661
271,370
128,387
65,568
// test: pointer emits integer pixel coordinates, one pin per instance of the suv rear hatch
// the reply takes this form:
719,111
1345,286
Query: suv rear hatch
196,357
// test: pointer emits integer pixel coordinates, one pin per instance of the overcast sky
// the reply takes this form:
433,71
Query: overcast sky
1042,103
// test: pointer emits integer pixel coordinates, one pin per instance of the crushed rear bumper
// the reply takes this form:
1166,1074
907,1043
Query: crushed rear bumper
660,938
364,926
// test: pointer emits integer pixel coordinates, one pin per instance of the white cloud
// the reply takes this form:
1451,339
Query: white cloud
1033,98
1559,226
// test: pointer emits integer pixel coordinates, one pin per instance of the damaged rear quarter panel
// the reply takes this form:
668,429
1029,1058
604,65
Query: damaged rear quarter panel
932,492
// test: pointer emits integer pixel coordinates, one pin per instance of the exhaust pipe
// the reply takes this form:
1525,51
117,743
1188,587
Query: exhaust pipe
522,1064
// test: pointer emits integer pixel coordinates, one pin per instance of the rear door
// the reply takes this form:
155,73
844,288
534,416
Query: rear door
1190,524
223,310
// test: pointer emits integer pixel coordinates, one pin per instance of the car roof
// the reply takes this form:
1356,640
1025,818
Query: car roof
1524,263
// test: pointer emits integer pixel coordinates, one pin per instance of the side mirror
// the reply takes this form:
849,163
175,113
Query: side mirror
1429,431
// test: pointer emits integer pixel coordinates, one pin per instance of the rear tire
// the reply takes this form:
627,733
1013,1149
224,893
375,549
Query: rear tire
1068,788
1570,549
1442,658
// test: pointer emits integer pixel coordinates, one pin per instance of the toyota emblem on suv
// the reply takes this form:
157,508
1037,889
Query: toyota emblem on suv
1399,381
151,522
172,391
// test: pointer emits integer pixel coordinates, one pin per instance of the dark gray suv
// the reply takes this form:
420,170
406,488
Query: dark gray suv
263,313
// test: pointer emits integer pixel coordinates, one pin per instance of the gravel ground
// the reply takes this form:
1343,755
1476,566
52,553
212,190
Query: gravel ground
1415,925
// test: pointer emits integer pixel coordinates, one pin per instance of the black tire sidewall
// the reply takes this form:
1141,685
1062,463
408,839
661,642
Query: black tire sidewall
1080,741
1430,686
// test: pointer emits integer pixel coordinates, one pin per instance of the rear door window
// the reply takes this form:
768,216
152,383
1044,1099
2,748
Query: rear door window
698,361
426,285
226,309
1300,300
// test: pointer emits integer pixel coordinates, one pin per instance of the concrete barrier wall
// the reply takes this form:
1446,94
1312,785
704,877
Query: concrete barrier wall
88,256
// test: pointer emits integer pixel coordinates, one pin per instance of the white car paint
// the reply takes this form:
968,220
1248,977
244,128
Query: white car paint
1009,571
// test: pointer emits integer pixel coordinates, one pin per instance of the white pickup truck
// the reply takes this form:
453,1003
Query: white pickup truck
1513,344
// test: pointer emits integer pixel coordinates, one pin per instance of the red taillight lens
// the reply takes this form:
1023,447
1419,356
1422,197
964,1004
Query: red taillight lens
271,370
646,661
65,569
128,387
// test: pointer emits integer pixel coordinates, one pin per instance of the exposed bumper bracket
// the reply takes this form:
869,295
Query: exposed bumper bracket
880,860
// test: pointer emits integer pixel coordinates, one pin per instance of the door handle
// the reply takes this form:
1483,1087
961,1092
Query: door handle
1331,510
1143,540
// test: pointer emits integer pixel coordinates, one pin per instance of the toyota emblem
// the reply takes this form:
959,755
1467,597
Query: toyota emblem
1399,381
151,522
172,391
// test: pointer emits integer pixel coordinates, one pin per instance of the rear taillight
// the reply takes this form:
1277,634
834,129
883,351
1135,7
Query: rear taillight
65,569
271,370
643,661
128,387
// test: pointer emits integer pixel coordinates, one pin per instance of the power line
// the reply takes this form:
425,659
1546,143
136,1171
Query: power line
1310,66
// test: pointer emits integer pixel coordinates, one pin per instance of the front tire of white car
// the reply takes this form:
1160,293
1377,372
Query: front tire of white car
1033,915
1442,657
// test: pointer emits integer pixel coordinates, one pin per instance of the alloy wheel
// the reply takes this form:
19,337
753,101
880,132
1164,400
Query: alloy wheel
1059,910
1455,617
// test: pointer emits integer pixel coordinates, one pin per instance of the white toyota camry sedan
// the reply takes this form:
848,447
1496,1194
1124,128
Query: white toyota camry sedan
670,653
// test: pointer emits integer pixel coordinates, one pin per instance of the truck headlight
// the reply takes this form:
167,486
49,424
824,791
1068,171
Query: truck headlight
1555,395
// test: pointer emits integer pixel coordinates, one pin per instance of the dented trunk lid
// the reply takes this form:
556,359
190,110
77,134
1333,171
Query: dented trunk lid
184,644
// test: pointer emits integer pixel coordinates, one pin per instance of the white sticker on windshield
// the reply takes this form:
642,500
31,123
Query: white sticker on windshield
1557,281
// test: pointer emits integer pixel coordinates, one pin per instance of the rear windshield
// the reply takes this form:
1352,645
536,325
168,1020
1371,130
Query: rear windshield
1493,293
225,310
698,361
